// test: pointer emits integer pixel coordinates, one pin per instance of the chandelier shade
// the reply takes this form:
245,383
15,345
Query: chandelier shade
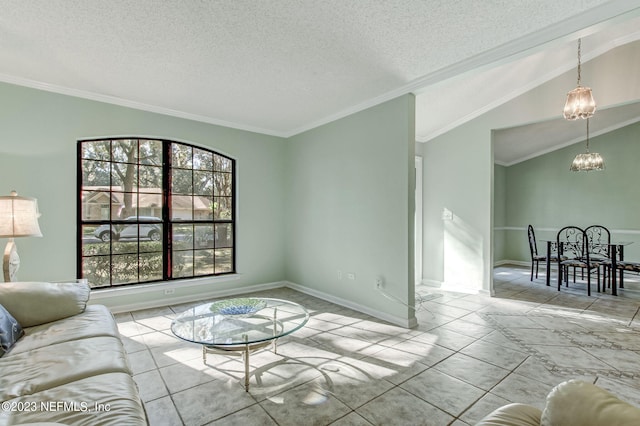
587,161
580,102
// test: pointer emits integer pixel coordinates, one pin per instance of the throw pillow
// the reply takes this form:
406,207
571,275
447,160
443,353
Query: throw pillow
10,331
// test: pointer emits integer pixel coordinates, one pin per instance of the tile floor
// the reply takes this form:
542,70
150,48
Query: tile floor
469,355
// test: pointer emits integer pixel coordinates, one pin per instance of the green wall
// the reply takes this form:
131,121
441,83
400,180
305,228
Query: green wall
333,198
542,191
499,211
348,208
38,134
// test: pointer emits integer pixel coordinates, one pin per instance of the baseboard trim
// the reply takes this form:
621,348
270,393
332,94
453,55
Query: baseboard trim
526,264
105,299
157,303
402,322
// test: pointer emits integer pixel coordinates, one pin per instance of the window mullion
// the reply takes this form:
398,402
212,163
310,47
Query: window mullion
167,236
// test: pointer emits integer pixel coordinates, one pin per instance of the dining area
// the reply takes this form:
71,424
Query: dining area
588,252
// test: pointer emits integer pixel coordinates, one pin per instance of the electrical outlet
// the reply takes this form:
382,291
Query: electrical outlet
379,282
339,274
351,276
169,291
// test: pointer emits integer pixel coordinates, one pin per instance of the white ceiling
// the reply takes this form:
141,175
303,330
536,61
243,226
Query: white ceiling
283,67
523,142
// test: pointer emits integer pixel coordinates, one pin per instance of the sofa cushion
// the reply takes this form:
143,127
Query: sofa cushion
115,393
34,303
578,403
48,367
95,321
513,415
10,331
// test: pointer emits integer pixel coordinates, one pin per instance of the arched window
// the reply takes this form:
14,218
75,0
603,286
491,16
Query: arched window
153,210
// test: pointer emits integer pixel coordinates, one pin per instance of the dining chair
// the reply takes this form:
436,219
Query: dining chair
623,266
572,243
533,249
598,246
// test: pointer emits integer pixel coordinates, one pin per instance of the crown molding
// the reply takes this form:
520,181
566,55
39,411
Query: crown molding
114,100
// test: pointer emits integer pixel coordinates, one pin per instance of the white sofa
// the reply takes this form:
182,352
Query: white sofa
70,367
571,403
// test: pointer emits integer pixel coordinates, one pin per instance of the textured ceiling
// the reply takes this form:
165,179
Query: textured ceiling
275,67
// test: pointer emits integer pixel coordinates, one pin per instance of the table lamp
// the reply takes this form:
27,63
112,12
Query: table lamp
18,218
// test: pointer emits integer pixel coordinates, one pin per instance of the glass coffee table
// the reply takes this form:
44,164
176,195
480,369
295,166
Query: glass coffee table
239,326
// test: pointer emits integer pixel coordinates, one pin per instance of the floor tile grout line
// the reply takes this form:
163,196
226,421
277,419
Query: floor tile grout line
513,371
531,305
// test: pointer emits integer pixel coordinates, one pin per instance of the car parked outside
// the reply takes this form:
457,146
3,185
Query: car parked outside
151,231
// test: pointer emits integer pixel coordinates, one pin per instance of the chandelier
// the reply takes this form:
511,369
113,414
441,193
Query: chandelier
580,103
587,161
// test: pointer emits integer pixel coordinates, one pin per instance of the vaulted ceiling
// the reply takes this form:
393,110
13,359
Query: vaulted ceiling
283,67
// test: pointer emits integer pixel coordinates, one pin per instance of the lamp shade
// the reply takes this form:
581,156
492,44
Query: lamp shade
19,216
580,104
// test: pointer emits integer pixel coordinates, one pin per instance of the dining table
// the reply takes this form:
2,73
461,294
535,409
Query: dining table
616,248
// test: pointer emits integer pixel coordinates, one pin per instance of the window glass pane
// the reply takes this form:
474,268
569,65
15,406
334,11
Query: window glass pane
97,270
104,233
182,237
182,264
181,207
222,207
124,206
224,260
224,235
150,266
223,184
150,179
202,183
150,205
91,244
181,181
124,150
181,156
96,174
203,208
96,205
124,246
150,246
124,177
203,262
202,160
151,152
204,236
150,231
96,150
221,164
124,269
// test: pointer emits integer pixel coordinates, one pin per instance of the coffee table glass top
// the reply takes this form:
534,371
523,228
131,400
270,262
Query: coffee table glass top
239,321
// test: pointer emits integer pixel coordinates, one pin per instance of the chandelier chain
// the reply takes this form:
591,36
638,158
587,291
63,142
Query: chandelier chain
579,60
587,135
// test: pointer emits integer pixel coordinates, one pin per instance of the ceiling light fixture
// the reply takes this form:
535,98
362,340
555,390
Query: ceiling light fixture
580,103
587,161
